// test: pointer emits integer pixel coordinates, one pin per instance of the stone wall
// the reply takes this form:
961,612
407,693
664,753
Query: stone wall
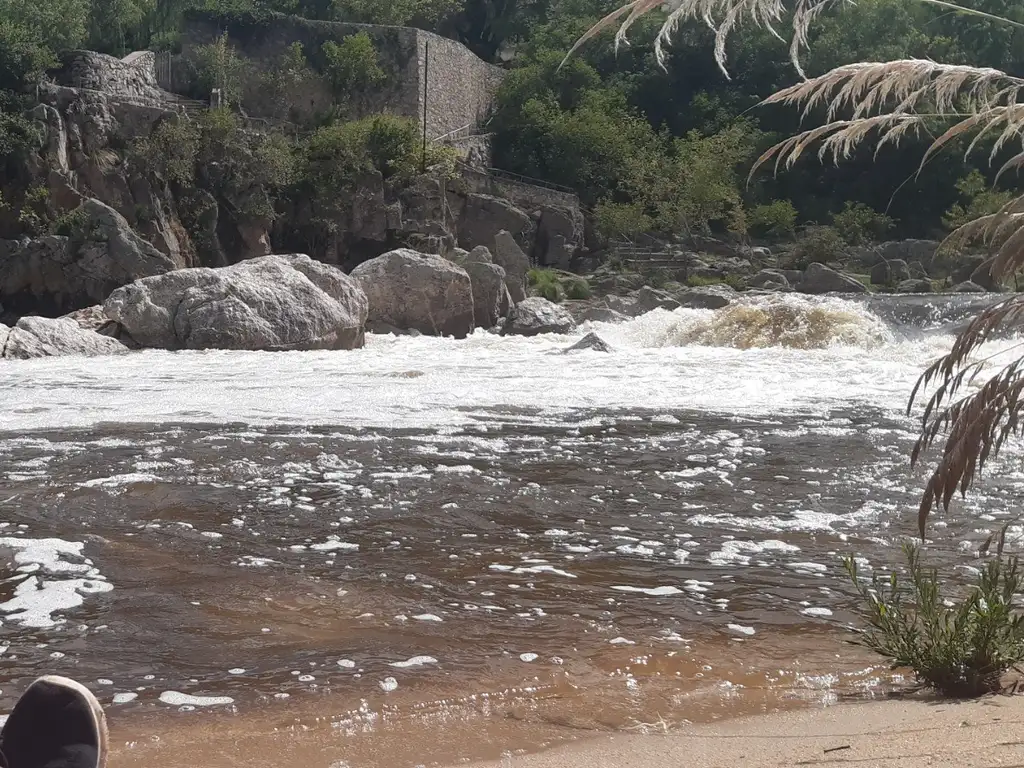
460,87
132,77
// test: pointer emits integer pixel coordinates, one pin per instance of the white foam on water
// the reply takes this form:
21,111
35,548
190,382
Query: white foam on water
828,353
415,661
652,591
117,481
388,684
742,629
124,698
59,579
177,699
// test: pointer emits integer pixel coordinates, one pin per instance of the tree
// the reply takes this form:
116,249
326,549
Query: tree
885,102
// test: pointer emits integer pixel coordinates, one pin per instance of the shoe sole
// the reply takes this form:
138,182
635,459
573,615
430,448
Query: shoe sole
99,719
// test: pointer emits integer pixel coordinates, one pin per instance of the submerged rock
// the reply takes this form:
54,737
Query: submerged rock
281,302
417,291
592,342
537,315
915,286
601,315
708,297
968,287
818,278
36,337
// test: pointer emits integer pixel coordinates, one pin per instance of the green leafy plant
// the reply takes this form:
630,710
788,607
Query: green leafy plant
858,224
169,151
219,66
290,74
545,283
577,288
958,647
35,216
621,219
821,244
352,65
977,198
775,220
73,224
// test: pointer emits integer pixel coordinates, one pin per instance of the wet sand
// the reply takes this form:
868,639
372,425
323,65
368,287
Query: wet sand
887,734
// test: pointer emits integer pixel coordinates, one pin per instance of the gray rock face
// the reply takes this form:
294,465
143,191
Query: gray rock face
5,333
535,315
819,279
481,254
592,342
491,300
968,287
60,274
889,272
914,286
281,302
983,276
484,216
648,299
36,337
708,297
417,291
558,236
510,257
602,315
769,278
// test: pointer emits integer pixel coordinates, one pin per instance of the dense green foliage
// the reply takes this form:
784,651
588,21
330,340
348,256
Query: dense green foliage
959,647
648,149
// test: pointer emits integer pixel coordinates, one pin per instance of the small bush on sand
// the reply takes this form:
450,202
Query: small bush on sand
958,647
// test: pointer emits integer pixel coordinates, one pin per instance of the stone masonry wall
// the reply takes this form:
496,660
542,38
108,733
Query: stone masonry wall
132,77
461,86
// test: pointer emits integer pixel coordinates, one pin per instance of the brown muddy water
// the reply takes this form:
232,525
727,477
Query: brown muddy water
431,550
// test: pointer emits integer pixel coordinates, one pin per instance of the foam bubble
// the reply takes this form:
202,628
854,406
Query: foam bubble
178,699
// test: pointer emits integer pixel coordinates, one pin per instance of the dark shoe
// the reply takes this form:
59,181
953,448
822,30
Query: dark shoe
57,723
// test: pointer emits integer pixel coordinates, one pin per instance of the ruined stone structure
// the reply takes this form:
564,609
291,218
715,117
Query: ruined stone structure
131,78
458,86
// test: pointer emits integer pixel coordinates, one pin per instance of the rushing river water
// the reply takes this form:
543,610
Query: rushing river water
433,549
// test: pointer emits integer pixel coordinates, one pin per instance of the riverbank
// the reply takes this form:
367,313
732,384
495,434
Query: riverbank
886,734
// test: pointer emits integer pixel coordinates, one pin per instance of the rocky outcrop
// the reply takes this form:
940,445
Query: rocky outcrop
484,216
707,297
491,300
591,342
510,257
914,286
417,291
535,316
818,278
769,279
36,337
559,234
56,275
601,315
281,302
890,272
968,287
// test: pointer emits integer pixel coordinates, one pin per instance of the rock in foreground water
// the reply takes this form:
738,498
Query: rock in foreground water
491,300
417,291
273,303
36,337
537,315
592,342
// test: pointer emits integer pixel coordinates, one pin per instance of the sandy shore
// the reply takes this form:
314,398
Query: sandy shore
907,734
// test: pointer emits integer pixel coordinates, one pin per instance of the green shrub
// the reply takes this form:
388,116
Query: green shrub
220,66
821,244
545,282
978,199
776,219
958,647
352,65
170,151
35,216
621,220
289,75
578,289
73,224
857,224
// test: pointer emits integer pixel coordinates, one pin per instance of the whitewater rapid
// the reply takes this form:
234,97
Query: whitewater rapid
768,355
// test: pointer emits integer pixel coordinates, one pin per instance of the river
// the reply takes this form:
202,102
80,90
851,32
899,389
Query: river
430,550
